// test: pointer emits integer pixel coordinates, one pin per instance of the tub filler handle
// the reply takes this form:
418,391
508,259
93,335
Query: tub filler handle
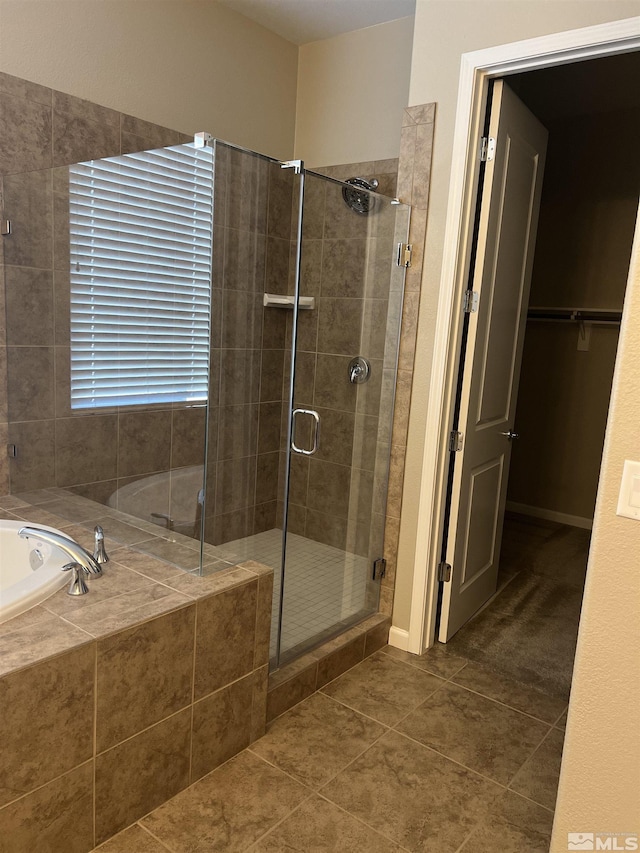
78,585
81,560
100,553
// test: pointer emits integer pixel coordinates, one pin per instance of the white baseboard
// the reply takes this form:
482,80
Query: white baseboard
399,639
551,515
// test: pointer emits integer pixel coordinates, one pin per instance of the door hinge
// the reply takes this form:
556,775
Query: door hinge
5,227
487,148
471,300
444,572
403,258
379,568
456,440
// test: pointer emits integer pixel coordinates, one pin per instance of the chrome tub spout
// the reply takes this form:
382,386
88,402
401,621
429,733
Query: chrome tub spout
81,561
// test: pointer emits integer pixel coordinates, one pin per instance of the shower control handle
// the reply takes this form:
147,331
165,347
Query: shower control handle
316,431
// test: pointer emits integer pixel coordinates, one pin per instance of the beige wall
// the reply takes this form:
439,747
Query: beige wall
443,32
351,93
600,777
186,65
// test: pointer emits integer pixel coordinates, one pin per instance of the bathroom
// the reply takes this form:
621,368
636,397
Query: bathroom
209,517
172,666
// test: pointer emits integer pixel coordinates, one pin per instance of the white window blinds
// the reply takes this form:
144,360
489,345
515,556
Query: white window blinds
141,243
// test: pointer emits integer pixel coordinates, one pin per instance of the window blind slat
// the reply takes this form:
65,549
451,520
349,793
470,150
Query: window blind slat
140,263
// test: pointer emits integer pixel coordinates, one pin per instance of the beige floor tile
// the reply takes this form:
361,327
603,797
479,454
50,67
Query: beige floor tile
514,825
495,686
477,732
435,660
135,839
383,688
538,778
411,794
321,827
226,811
317,739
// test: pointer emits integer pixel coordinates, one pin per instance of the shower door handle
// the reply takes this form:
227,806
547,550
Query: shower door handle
316,431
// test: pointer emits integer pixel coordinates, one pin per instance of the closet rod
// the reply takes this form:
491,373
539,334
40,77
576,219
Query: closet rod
576,315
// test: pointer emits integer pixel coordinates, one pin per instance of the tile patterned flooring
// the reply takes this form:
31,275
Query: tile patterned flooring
323,585
401,753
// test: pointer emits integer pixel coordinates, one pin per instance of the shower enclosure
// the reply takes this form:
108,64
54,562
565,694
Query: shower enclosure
219,359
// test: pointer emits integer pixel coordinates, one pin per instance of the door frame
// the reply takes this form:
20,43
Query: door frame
476,70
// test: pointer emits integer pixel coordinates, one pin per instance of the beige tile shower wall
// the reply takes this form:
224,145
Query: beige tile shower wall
42,131
333,496
414,174
251,255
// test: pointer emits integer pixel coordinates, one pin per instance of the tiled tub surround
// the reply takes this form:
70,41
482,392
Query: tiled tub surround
115,701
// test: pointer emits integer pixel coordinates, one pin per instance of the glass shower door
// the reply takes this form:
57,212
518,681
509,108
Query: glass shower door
344,333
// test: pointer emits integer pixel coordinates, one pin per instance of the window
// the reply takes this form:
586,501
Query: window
140,252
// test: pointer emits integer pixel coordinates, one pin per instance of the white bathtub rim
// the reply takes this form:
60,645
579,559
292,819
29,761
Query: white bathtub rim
39,585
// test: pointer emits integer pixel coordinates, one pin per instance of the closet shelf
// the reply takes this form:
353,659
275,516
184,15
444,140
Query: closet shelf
601,316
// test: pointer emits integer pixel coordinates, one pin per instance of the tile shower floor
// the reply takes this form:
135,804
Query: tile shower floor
324,585
401,753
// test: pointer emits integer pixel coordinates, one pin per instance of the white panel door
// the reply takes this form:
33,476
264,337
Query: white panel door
502,277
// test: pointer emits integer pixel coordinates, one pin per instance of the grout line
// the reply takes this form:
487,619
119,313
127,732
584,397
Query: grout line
144,730
503,704
363,822
193,689
529,800
452,760
48,782
95,739
286,773
281,821
529,758
153,835
349,707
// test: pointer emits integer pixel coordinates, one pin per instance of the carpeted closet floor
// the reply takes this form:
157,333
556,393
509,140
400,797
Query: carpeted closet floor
529,631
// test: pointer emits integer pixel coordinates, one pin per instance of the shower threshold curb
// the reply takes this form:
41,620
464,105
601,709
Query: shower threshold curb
297,680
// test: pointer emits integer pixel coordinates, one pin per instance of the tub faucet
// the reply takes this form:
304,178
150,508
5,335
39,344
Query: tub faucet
82,563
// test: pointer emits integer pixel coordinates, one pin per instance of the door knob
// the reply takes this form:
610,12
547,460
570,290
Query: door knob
510,435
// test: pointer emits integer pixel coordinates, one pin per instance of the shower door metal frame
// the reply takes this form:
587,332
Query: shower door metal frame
299,170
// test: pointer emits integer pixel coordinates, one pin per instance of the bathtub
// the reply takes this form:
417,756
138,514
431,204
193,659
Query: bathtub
30,570
172,499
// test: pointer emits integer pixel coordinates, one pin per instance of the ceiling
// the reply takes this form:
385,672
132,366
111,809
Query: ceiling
302,21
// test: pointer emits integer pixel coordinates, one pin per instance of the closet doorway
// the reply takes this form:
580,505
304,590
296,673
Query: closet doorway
527,629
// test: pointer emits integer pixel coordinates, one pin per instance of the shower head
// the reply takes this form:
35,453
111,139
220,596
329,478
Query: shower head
359,201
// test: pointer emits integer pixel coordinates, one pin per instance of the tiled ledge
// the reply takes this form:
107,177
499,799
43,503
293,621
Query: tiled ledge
149,574
116,701
299,679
